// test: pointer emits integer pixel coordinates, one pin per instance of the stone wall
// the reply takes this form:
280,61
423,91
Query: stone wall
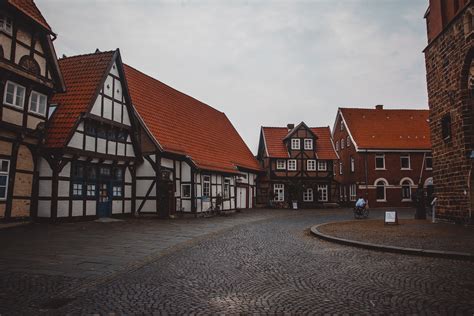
448,65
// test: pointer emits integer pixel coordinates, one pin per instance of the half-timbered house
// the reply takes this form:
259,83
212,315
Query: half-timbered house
298,163
197,161
87,166
29,74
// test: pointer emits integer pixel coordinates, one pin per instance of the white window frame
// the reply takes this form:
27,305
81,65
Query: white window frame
308,195
385,184
91,188
77,187
352,164
342,143
311,165
15,91
348,142
38,95
340,168
5,174
226,189
292,165
353,192
206,186
426,165
337,146
281,164
404,184
322,165
383,159
117,191
182,190
323,197
6,24
404,156
308,144
295,144
279,192
342,125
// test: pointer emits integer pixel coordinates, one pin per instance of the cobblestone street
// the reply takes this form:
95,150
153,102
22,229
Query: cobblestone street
255,262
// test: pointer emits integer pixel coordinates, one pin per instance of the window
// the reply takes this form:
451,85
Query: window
111,134
405,162
101,132
311,165
292,164
429,162
342,143
52,109
295,143
4,170
337,146
77,189
117,190
38,103
348,142
380,161
206,186
91,172
406,190
308,144
14,94
352,164
90,129
118,174
342,125
226,188
353,192
308,195
6,24
323,193
281,164
104,171
322,165
185,190
340,168
341,193
91,190
77,171
380,187
446,127
122,136
279,191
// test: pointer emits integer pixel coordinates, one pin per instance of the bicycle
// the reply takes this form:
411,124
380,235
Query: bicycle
361,212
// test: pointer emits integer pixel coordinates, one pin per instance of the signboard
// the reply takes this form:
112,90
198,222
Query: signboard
295,205
391,217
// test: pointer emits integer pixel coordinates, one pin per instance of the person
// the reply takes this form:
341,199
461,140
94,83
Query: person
360,202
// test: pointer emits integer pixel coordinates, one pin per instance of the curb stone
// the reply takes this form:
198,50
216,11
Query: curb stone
393,249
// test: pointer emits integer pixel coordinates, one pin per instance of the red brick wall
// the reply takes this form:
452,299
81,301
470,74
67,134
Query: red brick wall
448,60
441,13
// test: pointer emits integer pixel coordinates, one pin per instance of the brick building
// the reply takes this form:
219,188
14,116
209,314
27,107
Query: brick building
384,155
450,77
298,163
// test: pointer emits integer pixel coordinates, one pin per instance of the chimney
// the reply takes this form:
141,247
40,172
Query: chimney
290,127
97,51
379,107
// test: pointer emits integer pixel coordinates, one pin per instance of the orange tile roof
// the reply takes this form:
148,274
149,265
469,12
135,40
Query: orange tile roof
183,124
29,8
276,148
82,75
388,129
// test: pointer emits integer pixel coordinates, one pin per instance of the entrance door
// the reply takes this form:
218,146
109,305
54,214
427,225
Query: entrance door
241,197
105,200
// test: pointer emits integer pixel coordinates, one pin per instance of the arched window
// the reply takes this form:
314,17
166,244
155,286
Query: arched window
406,189
381,190
30,64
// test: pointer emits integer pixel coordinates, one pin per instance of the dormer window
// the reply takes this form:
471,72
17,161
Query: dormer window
308,144
295,143
6,24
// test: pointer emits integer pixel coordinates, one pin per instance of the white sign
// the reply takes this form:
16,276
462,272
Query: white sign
391,217
295,205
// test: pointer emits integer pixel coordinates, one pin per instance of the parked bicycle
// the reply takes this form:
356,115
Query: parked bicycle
361,212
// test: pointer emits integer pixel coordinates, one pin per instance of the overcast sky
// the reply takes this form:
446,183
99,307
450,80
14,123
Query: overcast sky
261,62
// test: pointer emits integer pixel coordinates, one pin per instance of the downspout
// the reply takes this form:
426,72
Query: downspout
422,167
366,177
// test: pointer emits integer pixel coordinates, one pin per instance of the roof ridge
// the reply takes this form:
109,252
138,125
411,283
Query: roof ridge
174,89
88,54
287,127
373,109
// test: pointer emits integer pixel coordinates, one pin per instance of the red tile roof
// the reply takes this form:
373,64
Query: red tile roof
388,129
29,8
276,148
82,75
182,124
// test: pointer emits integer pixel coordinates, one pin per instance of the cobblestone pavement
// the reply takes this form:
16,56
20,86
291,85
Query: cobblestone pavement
267,266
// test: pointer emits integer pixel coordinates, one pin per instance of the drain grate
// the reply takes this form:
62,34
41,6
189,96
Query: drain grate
57,302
